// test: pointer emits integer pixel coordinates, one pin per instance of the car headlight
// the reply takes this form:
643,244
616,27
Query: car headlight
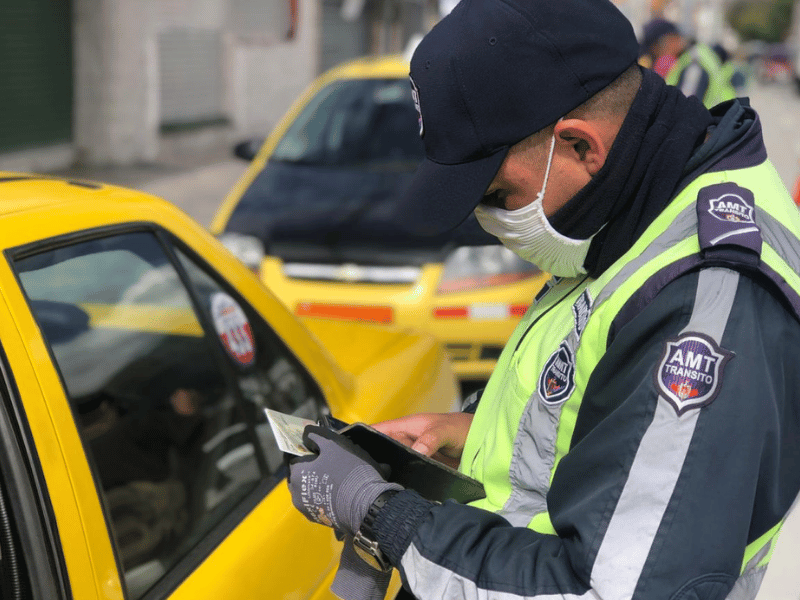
246,248
471,267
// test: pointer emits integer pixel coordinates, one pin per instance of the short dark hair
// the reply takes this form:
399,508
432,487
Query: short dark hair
616,98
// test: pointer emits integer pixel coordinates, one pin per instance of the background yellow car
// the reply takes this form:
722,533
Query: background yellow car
136,460
313,215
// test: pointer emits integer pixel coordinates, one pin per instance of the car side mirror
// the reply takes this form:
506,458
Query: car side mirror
248,149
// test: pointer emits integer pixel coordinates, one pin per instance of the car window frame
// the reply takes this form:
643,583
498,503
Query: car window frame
166,238
28,497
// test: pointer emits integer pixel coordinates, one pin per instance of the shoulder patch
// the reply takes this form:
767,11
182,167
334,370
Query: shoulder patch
726,215
582,310
690,372
557,379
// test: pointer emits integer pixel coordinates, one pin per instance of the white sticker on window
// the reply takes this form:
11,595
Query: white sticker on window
233,328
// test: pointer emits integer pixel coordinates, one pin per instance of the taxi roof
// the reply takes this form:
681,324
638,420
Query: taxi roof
388,65
29,191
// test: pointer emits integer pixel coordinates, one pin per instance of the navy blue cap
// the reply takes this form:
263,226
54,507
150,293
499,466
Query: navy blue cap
655,29
490,74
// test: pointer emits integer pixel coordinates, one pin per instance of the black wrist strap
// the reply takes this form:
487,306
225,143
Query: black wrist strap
365,537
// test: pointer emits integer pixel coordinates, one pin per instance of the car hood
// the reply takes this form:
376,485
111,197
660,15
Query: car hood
367,353
311,212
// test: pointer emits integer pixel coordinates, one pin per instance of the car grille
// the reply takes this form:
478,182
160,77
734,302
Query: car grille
490,352
459,351
352,273
465,352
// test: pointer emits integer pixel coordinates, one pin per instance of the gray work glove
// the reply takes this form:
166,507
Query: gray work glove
337,484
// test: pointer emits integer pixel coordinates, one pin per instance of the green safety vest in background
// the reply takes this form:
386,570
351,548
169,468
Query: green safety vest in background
526,417
719,84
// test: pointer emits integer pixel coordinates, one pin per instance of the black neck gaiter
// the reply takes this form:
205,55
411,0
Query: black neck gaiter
643,168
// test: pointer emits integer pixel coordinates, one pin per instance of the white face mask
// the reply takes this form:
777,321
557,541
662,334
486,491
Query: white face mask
527,232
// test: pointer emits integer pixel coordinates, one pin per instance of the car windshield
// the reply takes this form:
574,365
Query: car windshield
330,188
356,123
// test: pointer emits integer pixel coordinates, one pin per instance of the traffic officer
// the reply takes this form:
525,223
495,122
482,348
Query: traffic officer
694,67
639,437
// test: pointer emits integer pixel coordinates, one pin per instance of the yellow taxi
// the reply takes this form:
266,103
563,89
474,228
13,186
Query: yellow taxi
312,215
137,357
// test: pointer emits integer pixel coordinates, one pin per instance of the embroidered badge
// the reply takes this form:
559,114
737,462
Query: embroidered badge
582,309
690,372
557,379
415,96
726,215
731,207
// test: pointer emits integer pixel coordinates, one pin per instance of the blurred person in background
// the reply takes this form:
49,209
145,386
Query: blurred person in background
692,66
638,437
735,71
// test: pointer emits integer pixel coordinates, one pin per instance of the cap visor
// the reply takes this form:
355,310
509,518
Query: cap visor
441,197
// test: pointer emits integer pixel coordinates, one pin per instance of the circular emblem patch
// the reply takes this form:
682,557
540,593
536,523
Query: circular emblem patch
557,379
233,328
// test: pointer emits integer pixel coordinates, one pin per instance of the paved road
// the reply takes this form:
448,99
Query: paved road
199,191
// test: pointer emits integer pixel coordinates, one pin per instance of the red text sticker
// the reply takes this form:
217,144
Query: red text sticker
233,328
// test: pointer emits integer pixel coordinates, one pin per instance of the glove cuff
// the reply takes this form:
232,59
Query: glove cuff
357,494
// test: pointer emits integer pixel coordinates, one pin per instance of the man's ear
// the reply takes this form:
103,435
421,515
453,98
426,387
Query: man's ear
585,141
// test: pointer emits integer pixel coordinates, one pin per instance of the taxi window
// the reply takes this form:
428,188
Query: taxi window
167,381
267,374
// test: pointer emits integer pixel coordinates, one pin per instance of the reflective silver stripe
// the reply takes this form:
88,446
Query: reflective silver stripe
774,233
429,580
534,455
749,583
716,289
532,460
659,459
752,564
644,499
746,587
684,226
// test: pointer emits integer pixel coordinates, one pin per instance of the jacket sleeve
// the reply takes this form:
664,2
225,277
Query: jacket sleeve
655,499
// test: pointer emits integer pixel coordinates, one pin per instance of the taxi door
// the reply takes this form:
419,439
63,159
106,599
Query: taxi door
145,377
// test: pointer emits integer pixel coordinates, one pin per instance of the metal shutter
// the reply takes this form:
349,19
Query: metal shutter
190,62
340,40
261,20
35,74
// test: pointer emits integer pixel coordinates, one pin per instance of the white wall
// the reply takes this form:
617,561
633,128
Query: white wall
268,78
117,73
